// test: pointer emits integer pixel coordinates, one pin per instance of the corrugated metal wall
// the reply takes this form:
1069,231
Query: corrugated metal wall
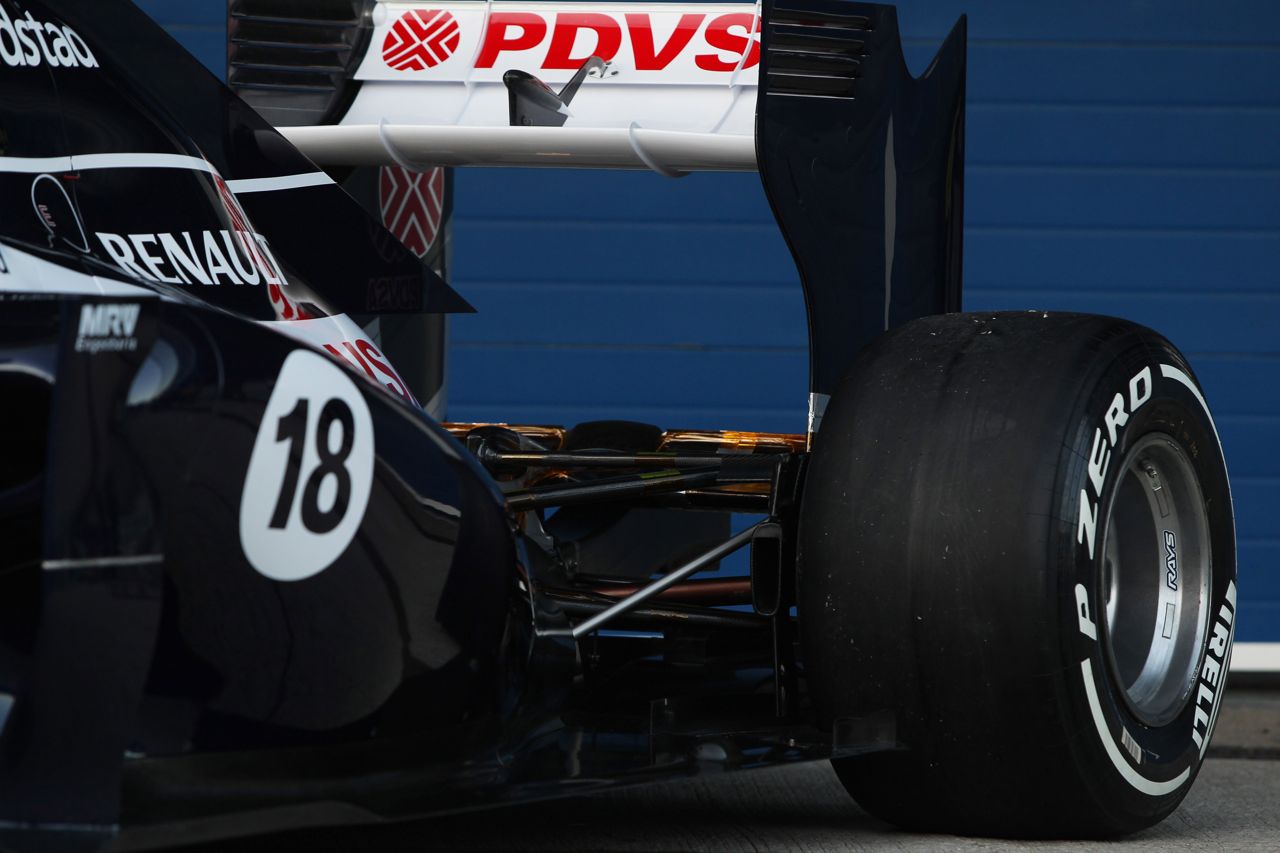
1124,158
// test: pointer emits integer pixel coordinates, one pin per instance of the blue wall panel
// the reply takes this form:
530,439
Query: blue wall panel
1124,158
198,25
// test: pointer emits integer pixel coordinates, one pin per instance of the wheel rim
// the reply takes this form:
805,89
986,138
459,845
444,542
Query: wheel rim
1155,581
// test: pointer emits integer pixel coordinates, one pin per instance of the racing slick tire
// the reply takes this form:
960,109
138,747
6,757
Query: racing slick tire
1017,552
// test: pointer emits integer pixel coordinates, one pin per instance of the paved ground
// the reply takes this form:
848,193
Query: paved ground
1234,805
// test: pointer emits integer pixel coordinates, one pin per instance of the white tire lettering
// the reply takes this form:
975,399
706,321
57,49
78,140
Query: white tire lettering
1120,747
1116,417
1082,610
1088,521
1139,388
1098,459
1217,658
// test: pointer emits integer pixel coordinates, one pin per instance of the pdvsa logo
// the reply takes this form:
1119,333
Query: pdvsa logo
412,206
655,38
26,41
420,39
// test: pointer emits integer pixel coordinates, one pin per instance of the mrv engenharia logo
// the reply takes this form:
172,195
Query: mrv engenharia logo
108,328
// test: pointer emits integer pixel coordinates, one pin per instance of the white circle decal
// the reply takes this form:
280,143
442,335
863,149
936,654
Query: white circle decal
310,471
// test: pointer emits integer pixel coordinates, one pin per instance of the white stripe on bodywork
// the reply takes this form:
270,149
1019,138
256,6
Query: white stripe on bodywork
155,160
101,562
283,182
35,165
128,160
142,161
1133,777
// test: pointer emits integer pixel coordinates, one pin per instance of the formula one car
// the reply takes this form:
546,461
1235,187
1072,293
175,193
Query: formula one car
249,582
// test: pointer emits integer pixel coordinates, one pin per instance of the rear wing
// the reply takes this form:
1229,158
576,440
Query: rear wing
862,163
673,88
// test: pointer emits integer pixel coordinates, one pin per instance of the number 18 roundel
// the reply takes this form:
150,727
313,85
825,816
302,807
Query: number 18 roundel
310,472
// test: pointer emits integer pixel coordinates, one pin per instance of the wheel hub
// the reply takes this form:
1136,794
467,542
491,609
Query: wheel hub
1156,575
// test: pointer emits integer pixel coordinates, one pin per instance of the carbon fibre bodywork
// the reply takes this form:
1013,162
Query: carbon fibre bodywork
146,599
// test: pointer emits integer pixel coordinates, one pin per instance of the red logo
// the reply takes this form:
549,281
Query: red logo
421,39
735,34
412,205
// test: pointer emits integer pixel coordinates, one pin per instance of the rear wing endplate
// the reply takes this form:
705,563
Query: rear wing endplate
864,169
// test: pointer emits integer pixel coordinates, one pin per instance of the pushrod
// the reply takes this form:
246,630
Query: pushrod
545,496
645,593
